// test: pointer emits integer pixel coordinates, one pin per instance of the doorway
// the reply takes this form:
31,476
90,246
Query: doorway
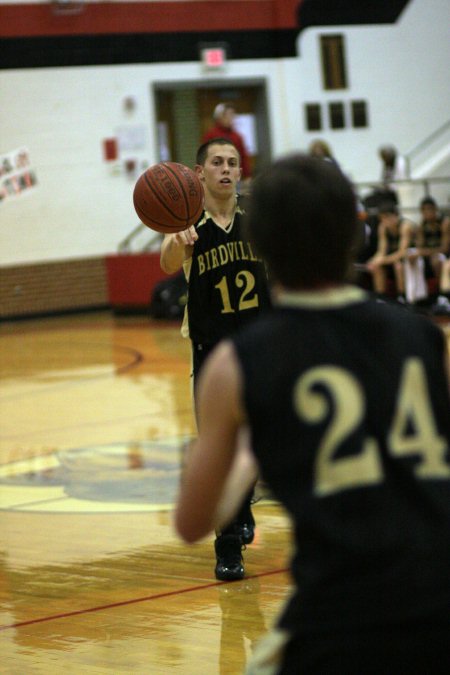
184,113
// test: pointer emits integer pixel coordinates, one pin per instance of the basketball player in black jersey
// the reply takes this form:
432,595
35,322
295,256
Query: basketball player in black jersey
395,236
428,259
433,243
227,288
348,405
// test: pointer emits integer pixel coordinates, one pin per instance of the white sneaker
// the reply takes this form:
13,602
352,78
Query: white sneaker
442,306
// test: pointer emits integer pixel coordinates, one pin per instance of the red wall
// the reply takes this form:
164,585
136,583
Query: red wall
26,20
131,279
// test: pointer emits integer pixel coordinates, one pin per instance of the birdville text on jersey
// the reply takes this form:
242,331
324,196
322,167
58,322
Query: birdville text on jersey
222,255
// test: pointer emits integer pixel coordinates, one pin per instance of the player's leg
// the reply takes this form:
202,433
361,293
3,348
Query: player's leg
379,279
245,520
228,543
445,277
442,306
437,261
399,274
418,648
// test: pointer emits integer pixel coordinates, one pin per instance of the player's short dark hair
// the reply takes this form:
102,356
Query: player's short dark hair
202,152
302,220
388,207
428,201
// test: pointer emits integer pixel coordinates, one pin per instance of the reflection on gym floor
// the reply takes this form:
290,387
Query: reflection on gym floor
96,416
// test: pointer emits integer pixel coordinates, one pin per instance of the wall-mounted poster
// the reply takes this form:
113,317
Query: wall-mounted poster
16,174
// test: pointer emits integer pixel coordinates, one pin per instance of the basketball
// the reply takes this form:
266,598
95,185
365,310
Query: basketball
168,197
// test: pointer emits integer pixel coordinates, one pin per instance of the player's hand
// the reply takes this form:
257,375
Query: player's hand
187,237
373,263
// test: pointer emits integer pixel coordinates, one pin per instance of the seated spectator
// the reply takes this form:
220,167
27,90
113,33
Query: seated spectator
433,246
371,204
395,236
433,237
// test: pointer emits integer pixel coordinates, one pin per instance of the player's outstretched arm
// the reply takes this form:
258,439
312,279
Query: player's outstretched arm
219,471
176,248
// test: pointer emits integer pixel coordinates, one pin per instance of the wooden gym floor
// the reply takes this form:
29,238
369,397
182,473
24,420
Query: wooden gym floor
95,415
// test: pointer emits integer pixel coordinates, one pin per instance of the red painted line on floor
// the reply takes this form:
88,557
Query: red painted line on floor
123,603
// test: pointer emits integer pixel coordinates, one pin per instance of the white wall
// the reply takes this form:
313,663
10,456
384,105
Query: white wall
80,208
401,70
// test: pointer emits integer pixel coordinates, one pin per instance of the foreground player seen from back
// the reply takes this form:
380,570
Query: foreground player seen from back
350,428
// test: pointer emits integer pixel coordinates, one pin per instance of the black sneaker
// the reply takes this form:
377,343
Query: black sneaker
229,565
245,526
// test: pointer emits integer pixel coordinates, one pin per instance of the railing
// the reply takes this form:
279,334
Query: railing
411,192
151,241
428,148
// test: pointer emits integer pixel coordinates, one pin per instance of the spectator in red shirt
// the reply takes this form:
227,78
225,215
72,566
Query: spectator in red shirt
224,114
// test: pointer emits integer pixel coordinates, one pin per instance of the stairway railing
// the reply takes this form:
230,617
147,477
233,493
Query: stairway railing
427,148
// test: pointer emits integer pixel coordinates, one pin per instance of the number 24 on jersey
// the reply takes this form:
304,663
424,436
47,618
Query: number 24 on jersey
315,390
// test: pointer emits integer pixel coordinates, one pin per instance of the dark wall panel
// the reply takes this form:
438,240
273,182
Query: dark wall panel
88,50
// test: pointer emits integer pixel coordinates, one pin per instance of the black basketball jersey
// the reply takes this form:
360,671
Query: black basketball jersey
227,282
349,408
393,239
432,235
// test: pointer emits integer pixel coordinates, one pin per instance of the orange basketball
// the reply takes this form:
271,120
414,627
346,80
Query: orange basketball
168,197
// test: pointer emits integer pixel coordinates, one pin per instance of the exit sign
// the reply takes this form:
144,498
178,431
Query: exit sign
213,56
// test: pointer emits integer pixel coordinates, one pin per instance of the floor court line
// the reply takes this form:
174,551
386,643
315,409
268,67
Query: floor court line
87,425
134,601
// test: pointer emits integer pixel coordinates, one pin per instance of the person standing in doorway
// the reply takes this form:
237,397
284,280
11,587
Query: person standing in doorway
224,116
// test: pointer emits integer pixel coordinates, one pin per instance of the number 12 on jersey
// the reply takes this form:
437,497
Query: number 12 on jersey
247,299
